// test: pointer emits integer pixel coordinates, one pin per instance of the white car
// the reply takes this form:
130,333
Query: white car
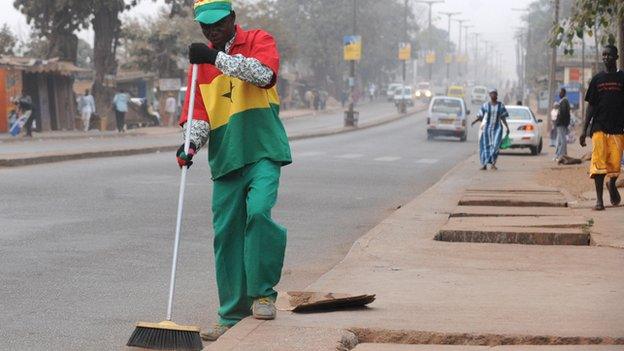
404,93
479,95
390,91
447,117
524,129
423,91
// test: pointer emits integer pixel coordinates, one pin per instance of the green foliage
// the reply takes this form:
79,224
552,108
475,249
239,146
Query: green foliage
589,16
7,40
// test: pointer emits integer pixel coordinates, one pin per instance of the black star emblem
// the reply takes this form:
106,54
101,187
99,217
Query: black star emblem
228,95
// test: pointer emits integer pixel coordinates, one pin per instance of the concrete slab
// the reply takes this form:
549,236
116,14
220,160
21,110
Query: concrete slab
513,200
513,235
509,211
521,221
396,347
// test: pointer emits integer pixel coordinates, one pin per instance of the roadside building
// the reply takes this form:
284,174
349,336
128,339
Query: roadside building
49,84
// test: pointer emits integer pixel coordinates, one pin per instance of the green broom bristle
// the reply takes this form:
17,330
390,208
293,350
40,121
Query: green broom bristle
165,339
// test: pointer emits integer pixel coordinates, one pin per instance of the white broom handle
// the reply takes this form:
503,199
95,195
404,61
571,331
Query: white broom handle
187,143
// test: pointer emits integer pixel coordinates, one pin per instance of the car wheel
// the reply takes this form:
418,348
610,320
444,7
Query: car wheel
534,150
539,148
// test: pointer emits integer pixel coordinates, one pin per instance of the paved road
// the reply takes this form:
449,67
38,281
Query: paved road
85,247
294,126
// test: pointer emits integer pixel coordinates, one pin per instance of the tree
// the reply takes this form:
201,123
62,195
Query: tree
57,21
592,17
7,40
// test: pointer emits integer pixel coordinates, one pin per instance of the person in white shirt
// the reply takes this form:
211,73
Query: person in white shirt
171,105
87,108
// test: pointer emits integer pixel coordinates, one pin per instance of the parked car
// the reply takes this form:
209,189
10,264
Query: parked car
423,91
404,93
447,116
524,129
478,95
390,90
456,91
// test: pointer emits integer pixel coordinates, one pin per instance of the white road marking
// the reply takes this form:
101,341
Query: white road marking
387,159
310,153
350,156
428,161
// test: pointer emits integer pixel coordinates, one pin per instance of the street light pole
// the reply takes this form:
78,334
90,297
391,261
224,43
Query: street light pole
553,67
449,14
459,44
350,120
476,60
402,102
466,27
429,46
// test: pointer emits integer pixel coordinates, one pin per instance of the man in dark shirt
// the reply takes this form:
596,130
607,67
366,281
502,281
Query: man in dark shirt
605,113
561,124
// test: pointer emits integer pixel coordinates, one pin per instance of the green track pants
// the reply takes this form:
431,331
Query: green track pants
248,245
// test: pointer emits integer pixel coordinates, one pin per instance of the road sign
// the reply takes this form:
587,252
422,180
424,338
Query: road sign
405,51
448,59
352,47
431,57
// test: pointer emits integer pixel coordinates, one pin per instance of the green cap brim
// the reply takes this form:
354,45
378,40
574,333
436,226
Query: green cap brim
211,16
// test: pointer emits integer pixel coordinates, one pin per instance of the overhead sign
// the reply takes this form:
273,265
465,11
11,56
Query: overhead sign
430,58
352,47
405,51
448,59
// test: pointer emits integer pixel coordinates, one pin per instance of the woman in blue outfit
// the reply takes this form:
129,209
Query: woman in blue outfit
492,115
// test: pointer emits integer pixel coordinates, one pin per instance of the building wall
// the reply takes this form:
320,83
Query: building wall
10,88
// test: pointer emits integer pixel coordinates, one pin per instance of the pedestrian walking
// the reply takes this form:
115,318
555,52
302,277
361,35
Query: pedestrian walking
561,124
604,123
171,106
86,106
120,105
237,111
552,133
492,115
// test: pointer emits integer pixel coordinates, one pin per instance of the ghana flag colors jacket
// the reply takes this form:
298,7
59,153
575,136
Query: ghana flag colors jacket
244,119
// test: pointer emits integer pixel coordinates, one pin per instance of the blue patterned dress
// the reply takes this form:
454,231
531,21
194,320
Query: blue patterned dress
491,131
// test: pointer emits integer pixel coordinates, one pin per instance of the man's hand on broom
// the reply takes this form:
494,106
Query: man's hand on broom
186,159
200,53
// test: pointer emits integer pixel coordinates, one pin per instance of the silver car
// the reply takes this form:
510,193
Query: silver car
524,129
447,117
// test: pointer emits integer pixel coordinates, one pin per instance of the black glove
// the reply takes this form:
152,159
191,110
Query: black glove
185,159
582,140
200,53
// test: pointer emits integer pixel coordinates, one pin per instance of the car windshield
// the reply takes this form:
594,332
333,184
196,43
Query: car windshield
521,114
456,91
479,91
447,106
423,85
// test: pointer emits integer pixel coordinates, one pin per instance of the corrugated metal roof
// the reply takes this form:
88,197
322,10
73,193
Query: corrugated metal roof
41,66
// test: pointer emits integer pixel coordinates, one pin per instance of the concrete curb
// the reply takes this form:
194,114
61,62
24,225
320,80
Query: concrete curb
50,158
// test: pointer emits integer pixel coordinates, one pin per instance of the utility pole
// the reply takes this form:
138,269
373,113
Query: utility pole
350,119
402,102
552,83
449,14
582,100
466,27
429,44
459,44
476,60
525,60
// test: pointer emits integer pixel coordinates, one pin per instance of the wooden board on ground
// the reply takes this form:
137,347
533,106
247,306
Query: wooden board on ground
508,211
514,235
520,221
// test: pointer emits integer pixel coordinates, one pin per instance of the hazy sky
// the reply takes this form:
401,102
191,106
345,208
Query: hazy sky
493,18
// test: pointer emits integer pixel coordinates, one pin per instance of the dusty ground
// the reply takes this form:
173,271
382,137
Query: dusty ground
574,178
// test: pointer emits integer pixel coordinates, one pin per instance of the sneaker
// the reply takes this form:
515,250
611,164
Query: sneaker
214,332
263,308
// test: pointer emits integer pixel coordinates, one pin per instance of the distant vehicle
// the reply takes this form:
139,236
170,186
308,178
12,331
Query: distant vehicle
524,129
404,93
447,117
423,91
479,95
456,91
390,90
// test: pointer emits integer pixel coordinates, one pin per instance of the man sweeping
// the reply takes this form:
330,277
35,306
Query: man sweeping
236,114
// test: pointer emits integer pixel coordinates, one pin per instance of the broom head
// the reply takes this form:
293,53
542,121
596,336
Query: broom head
166,335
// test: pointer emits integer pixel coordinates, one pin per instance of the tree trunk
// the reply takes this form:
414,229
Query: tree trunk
106,27
64,46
